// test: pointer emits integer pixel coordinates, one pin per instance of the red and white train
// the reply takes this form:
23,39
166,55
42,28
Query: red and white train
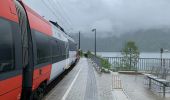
33,52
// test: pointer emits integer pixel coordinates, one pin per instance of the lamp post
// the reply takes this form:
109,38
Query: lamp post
161,51
94,30
130,49
79,40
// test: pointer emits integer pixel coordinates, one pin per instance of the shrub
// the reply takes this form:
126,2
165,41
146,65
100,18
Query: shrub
105,63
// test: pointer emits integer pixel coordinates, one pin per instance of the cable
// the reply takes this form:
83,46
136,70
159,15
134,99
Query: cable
59,12
56,9
53,12
63,11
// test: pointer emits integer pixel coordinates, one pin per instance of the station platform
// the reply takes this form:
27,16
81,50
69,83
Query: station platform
83,82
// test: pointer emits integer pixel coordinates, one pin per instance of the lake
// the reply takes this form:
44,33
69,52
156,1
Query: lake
142,64
142,55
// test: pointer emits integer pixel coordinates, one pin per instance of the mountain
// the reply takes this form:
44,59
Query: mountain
150,40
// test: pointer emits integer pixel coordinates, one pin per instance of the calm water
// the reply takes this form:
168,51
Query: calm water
143,64
142,55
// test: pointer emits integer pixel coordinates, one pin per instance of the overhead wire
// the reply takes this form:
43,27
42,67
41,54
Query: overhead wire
53,12
63,20
63,11
60,4
59,13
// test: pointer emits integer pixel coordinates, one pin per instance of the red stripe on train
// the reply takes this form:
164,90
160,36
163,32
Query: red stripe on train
10,89
40,75
38,23
8,10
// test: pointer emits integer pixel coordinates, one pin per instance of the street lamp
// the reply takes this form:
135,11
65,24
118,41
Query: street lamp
79,40
162,50
94,30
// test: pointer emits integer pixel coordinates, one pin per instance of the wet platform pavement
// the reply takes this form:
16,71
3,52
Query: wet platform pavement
83,83
137,89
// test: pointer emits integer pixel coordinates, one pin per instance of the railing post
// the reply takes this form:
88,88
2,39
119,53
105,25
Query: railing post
164,90
143,64
169,63
149,83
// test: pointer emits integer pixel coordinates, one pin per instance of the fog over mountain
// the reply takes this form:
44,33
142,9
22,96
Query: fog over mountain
150,40
147,22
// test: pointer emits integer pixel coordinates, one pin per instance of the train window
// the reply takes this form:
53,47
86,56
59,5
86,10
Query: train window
6,47
65,50
60,50
55,50
72,46
43,45
63,45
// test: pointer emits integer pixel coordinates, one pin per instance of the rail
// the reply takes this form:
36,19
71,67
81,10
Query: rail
143,64
96,60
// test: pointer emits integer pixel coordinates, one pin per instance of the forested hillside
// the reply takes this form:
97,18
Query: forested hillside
147,40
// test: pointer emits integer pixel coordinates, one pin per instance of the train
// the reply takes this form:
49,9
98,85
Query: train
33,52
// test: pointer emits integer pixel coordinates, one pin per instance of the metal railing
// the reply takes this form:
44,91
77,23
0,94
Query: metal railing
143,64
96,60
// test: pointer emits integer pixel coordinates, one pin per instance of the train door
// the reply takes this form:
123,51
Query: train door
27,51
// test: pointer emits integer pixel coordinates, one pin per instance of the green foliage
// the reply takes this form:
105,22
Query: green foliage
130,54
105,63
81,53
89,53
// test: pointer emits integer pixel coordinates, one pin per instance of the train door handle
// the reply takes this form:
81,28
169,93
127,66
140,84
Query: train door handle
40,71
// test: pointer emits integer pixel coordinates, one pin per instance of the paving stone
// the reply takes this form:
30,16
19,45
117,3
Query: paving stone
89,84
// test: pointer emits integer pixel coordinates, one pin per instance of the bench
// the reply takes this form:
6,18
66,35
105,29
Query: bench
160,76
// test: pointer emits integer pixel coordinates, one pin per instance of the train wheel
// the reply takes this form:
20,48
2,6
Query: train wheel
39,93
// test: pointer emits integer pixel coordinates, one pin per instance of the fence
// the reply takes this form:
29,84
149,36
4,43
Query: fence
96,60
143,64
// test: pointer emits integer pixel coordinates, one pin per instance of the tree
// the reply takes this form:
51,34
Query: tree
130,54
89,53
81,53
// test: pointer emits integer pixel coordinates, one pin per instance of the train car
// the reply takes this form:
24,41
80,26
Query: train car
33,52
72,46
73,53
67,46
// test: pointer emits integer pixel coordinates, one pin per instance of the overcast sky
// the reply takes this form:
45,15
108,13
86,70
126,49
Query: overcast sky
109,17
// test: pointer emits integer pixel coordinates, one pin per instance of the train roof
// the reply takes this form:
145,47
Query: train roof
60,32
58,26
55,24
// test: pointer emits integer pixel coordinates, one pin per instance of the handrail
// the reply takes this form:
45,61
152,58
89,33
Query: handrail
143,64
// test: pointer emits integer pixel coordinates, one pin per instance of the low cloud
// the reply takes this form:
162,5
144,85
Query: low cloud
109,17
